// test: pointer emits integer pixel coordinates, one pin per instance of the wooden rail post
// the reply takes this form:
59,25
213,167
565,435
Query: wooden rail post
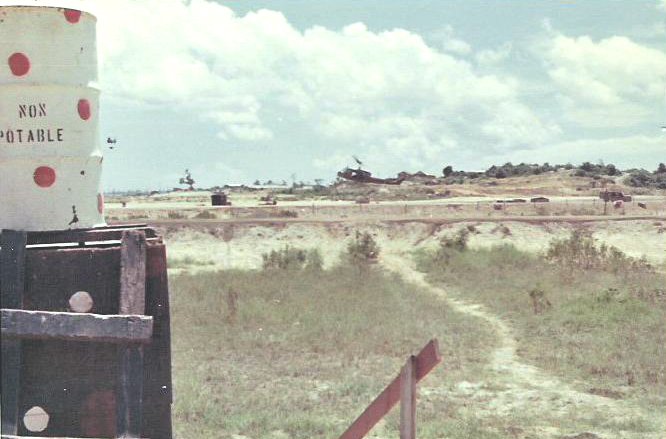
419,366
12,284
132,301
408,399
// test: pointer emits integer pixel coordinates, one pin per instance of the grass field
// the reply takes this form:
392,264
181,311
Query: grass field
294,351
300,353
600,321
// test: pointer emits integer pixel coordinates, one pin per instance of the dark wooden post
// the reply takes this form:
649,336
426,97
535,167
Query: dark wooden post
12,283
132,301
408,399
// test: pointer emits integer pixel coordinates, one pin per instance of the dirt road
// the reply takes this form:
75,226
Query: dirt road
539,403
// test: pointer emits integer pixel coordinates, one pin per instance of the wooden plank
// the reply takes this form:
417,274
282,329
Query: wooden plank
87,244
408,400
133,273
157,396
81,235
12,284
132,301
76,327
426,360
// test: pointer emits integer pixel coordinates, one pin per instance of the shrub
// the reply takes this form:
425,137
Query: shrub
287,258
363,248
450,245
175,215
643,178
290,258
314,260
580,251
540,302
456,242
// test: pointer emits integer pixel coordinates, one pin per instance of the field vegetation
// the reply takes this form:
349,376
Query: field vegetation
295,351
643,178
582,310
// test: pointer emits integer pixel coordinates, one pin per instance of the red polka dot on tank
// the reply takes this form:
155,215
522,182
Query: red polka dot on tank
44,176
100,203
19,64
72,15
83,108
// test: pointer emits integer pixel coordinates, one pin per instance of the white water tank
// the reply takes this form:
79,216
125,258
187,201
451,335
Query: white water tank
50,158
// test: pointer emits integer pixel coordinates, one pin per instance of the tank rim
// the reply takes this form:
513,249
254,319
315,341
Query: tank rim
41,8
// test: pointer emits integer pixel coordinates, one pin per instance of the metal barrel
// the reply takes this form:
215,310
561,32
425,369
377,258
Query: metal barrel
50,156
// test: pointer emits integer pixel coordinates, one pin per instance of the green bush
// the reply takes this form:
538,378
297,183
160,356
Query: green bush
580,252
456,242
643,178
287,258
363,248
449,245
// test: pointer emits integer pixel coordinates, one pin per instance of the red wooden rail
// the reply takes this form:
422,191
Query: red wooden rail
402,388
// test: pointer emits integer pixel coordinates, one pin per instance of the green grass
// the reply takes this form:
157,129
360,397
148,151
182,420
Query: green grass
606,327
300,353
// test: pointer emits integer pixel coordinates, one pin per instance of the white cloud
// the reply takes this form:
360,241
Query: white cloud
490,57
613,82
386,91
445,38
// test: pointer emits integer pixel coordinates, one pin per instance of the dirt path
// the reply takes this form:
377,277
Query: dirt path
538,403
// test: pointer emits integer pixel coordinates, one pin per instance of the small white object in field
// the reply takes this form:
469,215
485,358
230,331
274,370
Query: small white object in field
81,302
36,419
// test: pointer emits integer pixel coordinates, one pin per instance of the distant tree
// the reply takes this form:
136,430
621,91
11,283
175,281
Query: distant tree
587,167
661,169
257,183
448,170
612,170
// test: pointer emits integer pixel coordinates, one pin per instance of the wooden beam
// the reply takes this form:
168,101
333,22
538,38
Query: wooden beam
12,284
425,361
132,301
76,327
408,399
83,235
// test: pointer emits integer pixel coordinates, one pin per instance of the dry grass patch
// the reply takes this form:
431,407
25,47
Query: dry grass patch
582,311
300,352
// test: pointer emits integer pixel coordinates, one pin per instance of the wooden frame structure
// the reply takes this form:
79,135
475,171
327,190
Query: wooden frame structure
403,389
104,374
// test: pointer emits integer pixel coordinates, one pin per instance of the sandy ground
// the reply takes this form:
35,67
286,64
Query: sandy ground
223,246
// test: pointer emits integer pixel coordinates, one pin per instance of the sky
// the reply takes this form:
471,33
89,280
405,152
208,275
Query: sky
290,89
